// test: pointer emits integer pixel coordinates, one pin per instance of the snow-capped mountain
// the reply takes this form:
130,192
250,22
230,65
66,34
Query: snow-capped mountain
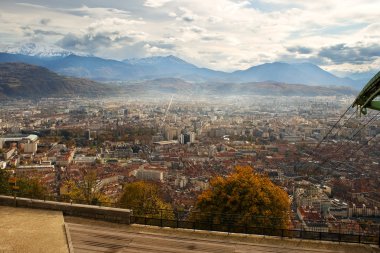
39,50
96,68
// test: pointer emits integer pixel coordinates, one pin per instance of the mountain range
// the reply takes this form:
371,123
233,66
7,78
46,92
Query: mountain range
20,80
99,69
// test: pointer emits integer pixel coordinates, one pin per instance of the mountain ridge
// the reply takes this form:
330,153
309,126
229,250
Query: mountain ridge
30,81
137,69
39,50
173,86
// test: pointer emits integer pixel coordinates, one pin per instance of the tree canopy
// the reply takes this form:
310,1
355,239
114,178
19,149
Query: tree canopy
85,190
244,197
4,186
143,198
31,188
27,187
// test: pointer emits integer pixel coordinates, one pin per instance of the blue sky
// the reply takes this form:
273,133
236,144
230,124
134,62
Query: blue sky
340,36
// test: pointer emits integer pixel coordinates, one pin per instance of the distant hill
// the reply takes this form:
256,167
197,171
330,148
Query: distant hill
284,89
181,87
301,73
99,69
29,81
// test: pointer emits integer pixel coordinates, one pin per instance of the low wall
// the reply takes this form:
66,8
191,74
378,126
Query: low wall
87,211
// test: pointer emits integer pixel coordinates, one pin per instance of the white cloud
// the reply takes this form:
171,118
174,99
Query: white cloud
116,28
154,50
155,3
223,34
172,14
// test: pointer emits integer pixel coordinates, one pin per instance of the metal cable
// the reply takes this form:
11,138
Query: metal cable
357,132
336,123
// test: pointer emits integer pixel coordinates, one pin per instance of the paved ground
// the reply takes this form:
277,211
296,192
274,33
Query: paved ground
34,230
31,230
95,236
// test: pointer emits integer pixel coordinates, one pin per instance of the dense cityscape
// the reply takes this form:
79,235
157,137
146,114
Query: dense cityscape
180,144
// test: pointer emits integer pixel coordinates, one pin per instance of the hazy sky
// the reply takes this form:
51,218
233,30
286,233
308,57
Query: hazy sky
340,36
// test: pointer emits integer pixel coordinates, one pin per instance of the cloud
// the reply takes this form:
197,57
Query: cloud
116,28
223,34
187,18
93,43
162,44
172,14
300,50
38,33
94,12
155,3
187,15
46,32
154,50
70,41
45,21
358,54
197,29
212,37
101,35
82,11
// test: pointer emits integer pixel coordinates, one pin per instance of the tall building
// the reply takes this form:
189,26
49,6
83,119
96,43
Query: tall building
187,138
192,137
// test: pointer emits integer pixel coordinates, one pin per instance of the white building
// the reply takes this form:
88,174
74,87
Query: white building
81,159
148,174
27,142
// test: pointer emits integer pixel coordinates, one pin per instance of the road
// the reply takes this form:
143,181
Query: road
89,238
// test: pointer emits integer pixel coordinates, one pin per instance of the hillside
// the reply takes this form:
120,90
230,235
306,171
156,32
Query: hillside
181,87
300,73
29,81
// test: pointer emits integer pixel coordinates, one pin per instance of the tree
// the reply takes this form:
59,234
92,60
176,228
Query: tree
27,187
244,198
31,188
4,185
143,198
86,190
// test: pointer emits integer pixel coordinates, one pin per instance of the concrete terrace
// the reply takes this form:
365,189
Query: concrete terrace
37,230
32,231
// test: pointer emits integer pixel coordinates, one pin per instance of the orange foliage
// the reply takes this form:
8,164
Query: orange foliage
247,198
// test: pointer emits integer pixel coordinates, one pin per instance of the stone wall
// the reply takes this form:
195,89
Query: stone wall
87,211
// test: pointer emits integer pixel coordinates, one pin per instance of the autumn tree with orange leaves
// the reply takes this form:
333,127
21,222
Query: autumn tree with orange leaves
244,198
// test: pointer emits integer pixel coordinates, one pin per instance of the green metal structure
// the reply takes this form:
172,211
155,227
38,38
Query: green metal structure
367,98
